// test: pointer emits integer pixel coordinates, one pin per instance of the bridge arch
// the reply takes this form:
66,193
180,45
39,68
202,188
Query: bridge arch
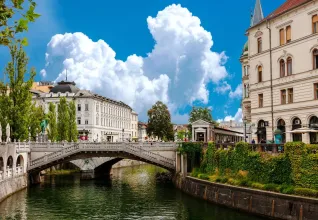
10,162
20,161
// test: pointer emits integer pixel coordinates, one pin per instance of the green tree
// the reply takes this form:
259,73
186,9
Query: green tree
23,13
19,93
36,116
52,130
181,135
159,121
63,120
198,113
5,103
73,133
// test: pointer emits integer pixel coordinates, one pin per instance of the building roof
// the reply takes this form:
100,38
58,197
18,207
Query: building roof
286,6
64,87
258,15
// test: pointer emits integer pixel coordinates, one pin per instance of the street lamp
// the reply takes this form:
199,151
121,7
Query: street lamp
245,122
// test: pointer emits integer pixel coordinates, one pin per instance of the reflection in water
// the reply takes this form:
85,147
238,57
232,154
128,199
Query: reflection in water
133,193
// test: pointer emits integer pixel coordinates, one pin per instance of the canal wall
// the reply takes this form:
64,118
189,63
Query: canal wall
258,202
12,185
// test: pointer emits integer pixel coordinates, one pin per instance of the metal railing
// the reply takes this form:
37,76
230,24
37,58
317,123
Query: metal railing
270,148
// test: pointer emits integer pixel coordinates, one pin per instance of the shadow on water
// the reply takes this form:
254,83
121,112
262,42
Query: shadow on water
131,193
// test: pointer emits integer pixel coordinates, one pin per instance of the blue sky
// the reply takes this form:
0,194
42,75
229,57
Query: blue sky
123,26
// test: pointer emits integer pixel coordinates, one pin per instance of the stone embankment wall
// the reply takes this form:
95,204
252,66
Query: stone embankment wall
274,205
12,185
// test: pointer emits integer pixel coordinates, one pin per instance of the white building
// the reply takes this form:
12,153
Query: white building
98,118
280,72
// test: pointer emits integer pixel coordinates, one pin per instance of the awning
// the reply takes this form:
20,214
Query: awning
302,130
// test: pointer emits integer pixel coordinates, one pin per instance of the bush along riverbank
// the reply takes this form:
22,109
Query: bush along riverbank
293,172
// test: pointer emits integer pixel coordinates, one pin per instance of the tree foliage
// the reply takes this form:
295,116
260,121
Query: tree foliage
52,130
63,120
36,116
19,93
159,121
73,133
202,113
23,12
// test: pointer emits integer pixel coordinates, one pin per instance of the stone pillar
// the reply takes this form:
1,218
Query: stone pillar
34,178
178,162
193,138
306,138
184,165
209,134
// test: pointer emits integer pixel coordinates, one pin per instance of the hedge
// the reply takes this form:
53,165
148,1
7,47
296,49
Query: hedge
296,167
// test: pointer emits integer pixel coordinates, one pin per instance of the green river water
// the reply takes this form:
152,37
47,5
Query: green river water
132,193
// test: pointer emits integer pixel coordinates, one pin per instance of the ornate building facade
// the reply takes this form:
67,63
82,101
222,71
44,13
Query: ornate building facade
280,73
98,118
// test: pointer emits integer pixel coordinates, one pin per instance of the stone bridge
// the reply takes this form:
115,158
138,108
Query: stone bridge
98,158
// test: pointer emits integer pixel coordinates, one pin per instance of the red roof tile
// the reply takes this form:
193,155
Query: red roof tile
289,4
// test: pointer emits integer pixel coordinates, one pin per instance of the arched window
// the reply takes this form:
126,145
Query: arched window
261,131
315,58
313,124
289,66
282,68
296,125
314,24
10,162
260,74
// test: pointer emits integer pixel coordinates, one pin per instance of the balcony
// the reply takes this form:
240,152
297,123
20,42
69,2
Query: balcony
245,77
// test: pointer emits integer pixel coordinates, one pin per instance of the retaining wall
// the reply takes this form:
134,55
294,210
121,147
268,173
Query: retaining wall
12,185
274,205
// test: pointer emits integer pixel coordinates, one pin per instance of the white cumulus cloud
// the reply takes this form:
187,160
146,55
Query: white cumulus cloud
237,117
237,93
176,71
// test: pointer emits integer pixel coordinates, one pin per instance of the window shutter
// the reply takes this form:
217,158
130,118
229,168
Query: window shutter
315,18
288,33
281,36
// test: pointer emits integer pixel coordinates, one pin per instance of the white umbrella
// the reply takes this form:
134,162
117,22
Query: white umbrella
302,130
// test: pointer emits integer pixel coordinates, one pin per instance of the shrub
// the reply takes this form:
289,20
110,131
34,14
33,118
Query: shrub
195,172
244,182
306,192
271,187
257,185
203,176
286,189
233,182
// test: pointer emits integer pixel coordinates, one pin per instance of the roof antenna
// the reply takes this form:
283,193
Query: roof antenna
66,75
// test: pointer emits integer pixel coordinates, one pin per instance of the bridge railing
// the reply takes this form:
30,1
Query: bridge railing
269,148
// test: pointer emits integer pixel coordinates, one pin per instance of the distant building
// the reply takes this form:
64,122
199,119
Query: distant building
280,73
142,133
98,118
183,128
42,86
238,127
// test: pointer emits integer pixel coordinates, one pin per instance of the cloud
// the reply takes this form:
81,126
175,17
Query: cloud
236,117
176,71
237,94
223,87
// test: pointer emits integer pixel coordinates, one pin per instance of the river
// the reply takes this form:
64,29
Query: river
132,193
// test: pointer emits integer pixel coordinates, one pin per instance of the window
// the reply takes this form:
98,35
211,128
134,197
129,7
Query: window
79,107
283,96
248,91
316,90
289,66
97,107
281,36
78,120
315,58
282,68
288,34
290,95
86,122
97,120
86,107
245,94
259,45
260,100
260,74
315,24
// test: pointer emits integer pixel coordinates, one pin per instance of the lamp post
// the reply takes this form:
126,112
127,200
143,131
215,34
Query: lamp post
245,122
